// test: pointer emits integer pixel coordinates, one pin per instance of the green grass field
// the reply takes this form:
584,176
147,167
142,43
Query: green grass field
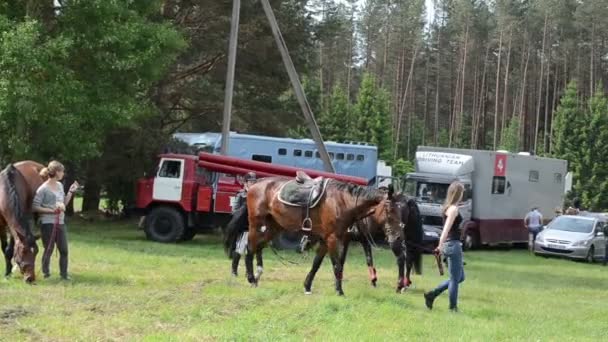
126,288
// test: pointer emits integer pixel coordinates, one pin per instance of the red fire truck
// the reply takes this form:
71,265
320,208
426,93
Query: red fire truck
190,193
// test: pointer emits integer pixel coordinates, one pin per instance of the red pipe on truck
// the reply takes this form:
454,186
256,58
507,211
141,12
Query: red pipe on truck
240,165
231,169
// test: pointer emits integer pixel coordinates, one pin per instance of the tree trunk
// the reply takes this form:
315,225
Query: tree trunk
591,65
546,123
554,104
497,91
426,99
386,42
92,189
540,83
438,66
522,116
506,90
463,80
407,84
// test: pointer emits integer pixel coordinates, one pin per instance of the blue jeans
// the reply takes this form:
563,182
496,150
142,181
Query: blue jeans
453,251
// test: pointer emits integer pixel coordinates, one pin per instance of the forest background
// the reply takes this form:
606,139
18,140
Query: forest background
103,84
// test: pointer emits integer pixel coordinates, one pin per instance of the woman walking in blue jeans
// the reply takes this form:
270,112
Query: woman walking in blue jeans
451,247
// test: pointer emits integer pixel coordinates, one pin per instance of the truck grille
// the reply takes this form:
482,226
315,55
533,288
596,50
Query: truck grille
432,220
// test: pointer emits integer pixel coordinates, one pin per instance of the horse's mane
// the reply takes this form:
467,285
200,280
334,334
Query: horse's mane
362,192
9,177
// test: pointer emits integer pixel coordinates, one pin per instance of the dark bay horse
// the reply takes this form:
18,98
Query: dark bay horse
400,220
338,208
18,185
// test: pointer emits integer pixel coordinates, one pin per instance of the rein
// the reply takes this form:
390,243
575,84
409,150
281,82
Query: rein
283,260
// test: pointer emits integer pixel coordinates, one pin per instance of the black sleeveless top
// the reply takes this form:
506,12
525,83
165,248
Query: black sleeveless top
455,232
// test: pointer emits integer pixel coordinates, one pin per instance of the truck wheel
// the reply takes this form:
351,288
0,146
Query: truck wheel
164,224
188,235
471,240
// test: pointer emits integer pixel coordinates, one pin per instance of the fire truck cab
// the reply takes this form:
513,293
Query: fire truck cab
182,198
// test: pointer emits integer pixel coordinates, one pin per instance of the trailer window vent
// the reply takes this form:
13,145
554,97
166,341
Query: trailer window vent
261,158
557,178
533,176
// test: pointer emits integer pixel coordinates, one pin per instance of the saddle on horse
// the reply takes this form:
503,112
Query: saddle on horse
304,192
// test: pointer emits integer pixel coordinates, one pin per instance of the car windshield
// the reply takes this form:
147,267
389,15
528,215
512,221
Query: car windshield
572,224
427,192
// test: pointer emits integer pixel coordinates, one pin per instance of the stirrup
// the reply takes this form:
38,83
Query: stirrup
307,224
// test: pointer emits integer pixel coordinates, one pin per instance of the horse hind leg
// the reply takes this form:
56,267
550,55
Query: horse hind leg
335,247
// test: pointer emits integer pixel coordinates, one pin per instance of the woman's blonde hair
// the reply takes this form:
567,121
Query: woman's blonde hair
455,192
52,169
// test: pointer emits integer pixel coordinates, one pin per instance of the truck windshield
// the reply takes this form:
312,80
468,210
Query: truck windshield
427,192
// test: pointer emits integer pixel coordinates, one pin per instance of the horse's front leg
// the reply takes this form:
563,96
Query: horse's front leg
9,254
367,249
397,248
7,251
316,263
334,247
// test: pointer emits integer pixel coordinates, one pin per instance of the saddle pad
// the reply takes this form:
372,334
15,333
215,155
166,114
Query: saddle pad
302,195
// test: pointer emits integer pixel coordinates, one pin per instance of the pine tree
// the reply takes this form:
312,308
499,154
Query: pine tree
336,123
593,183
510,139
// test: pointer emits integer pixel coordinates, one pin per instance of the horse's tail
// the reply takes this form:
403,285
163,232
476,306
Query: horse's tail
237,225
8,177
416,235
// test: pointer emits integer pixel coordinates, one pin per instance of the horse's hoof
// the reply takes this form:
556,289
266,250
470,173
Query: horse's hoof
308,293
374,282
340,293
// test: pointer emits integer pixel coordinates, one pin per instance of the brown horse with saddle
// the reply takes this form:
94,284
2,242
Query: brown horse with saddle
322,207
18,184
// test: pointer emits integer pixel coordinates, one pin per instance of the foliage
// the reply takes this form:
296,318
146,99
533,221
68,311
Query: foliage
63,90
402,167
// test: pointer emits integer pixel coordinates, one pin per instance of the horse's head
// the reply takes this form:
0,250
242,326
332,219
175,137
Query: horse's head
395,216
25,257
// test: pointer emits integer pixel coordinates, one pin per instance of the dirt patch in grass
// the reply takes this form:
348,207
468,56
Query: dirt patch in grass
9,315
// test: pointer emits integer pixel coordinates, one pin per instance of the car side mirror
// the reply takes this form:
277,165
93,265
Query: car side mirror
599,233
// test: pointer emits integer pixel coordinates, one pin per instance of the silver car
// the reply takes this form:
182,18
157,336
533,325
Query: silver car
576,237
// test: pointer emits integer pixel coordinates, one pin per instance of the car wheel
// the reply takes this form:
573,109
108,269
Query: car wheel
590,255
